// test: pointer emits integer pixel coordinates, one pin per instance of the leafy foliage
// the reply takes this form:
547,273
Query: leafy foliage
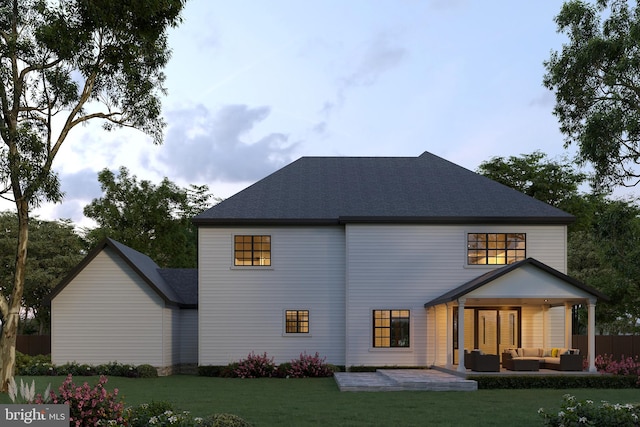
308,366
574,412
47,264
88,405
551,181
256,366
553,381
63,64
152,219
596,81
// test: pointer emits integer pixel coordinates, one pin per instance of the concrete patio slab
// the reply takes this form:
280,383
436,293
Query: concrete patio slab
403,379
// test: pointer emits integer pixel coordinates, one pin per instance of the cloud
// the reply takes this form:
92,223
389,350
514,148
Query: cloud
378,56
80,185
375,57
204,146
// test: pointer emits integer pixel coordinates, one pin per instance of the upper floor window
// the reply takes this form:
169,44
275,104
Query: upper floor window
391,328
495,248
297,321
252,250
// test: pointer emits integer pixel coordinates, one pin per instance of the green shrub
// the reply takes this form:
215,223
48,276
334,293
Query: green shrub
553,381
362,368
147,371
225,420
586,412
210,370
229,371
139,416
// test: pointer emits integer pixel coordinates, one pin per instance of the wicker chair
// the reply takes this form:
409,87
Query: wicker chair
478,362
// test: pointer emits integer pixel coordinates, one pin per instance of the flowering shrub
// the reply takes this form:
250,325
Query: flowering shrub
88,406
178,419
139,416
255,366
309,366
625,366
585,412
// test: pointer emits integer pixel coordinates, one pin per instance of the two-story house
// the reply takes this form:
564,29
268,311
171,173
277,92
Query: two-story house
376,261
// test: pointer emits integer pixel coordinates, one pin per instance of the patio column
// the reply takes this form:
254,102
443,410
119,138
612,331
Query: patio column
591,334
461,367
545,325
449,335
568,329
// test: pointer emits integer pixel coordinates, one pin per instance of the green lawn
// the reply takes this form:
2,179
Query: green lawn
318,402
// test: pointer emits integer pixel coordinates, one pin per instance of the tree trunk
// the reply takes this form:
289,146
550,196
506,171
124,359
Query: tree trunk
8,348
12,307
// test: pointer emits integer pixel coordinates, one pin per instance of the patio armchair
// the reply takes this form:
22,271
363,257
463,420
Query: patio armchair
479,362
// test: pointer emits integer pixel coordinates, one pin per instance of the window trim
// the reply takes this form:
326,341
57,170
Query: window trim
296,334
234,265
506,233
408,347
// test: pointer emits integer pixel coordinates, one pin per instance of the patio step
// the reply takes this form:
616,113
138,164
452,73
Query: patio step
403,379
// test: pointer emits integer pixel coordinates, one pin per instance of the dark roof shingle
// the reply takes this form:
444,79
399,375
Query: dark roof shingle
332,190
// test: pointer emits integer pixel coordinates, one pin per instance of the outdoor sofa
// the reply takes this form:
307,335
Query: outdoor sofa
533,359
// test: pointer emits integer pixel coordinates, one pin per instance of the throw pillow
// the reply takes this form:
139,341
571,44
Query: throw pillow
546,352
513,352
554,352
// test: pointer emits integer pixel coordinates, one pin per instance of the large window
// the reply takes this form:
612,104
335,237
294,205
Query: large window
495,248
252,250
391,328
297,321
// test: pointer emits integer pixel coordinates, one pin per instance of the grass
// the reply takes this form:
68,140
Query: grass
313,402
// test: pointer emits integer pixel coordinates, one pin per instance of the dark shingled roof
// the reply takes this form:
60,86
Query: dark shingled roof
334,190
175,286
492,275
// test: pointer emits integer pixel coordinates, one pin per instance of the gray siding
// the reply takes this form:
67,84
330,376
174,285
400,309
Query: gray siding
242,309
107,313
188,342
404,266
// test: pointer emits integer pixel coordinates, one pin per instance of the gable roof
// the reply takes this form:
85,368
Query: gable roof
335,190
492,275
175,286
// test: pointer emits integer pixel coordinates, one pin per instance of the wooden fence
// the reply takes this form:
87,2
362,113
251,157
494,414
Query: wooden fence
616,345
33,344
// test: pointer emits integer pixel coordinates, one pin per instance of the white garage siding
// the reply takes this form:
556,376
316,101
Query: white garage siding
404,266
107,313
241,309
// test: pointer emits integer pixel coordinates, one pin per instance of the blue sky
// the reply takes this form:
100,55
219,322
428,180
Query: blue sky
255,85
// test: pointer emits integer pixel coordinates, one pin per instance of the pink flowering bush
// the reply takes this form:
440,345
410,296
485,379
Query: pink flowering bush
87,405
624,366
309,366
255,366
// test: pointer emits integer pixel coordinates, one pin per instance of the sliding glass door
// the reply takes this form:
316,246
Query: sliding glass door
490,330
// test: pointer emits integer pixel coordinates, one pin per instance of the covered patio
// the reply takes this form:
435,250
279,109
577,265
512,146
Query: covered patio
524,304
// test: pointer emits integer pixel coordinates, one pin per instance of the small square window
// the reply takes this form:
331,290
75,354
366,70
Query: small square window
252,250
391,328
297,321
